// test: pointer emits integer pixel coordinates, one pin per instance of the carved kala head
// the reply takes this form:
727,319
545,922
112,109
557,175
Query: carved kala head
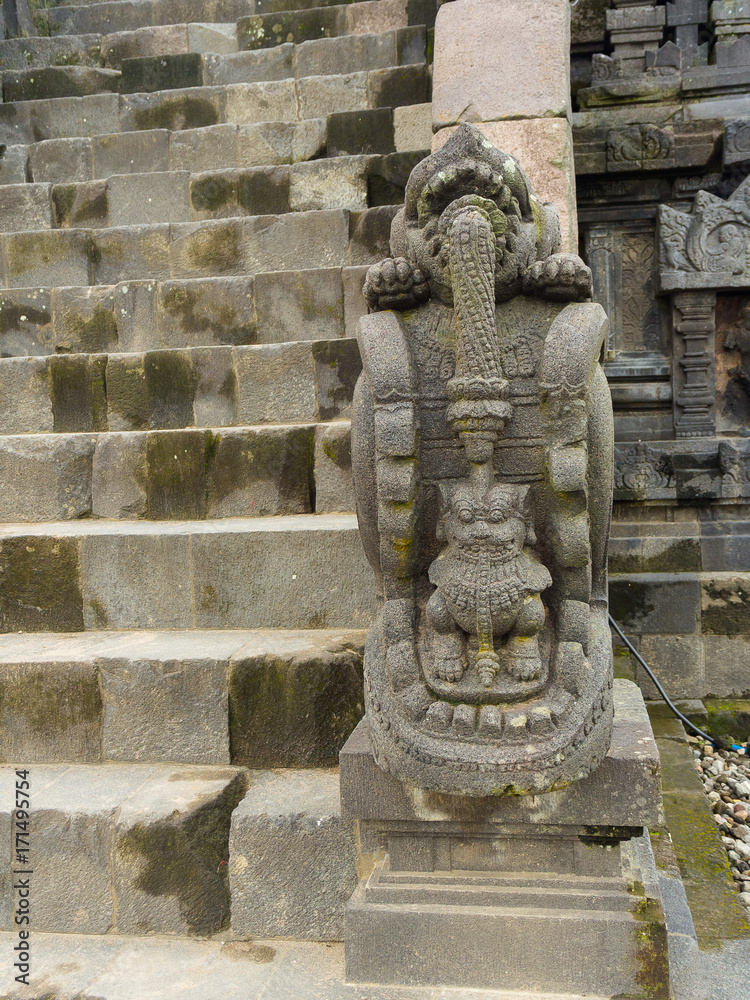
493,522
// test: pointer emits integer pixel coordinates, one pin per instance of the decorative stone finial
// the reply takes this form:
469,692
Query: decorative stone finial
482,451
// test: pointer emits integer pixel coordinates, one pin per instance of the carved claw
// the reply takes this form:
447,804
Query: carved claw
449,669
394,283
524,662
562,277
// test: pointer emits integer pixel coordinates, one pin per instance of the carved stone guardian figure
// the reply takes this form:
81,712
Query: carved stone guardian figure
483,462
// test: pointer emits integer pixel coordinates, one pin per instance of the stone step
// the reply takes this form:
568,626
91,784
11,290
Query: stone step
350,182
266,30
177,474
145,841
148,74
298,382
33,53
226,247
298,572
126,15
252,698
219,147
26,122
270,308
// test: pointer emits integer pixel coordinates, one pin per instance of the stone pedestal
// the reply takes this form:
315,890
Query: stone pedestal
554,892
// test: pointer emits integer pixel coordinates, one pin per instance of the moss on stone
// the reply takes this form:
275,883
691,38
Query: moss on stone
40,585
176,485
217,250
175,113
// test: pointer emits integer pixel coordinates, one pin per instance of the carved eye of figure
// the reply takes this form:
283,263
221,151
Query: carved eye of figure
497,514
466,514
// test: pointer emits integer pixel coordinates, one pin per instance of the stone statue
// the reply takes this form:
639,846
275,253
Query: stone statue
483,460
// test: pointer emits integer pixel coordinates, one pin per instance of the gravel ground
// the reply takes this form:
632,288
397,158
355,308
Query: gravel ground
726,779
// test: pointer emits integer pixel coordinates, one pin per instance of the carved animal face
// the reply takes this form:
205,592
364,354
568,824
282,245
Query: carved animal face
492,523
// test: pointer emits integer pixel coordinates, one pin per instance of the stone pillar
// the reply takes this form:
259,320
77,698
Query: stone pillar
686,17
731,24
505,67
694,382
636,27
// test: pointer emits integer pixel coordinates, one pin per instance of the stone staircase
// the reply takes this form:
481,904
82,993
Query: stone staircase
190,195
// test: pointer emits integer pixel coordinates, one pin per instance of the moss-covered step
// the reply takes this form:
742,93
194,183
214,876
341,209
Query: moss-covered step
172,475
272,28
215,248
253,698
146,840
59,81
299,382
714,904
288,100
273,307
321,57
63,50
348,182
729,719
301,571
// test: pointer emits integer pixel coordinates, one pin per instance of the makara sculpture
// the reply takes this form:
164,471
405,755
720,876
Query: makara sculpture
483,462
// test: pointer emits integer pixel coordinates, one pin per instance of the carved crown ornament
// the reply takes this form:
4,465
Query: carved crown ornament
482,453
706,248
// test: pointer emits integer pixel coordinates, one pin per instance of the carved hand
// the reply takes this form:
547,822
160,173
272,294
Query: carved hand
563,277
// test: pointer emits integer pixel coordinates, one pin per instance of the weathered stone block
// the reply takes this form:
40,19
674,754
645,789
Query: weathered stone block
211,311
50,710
309,139
97,114
412,127
13,165
176,483
258,472
130,252
299,305
727,658
215,400
677,661
293,700
258,66
370,233
161,705
61,161
347,54
212,148
275,383
370,131
119,476
127,397
26,325
334,489
169,840
221,38
135,316
355,304
292,858
266,30
384,15
261,190
170,384
149,198
162,72
391,88
118,592
654,603
25,401
131,152
725,604
46,477
232,583
296,241
337,367
28,122
329,184
40,584
25,206
58,81
261,102
194,108
78,205
84,320
78,393
545,148
523,74
320,96
120,15
265,143
207,249
155,40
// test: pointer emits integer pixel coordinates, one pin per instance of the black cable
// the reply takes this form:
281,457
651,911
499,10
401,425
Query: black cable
719,744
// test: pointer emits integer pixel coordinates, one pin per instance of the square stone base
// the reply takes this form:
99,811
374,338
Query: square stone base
553,892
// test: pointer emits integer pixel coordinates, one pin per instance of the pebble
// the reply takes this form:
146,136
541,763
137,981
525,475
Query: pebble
725,775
